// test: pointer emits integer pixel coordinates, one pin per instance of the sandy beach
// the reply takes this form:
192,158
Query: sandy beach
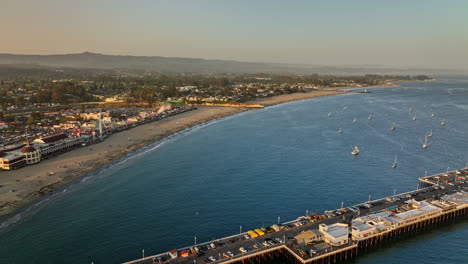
22,187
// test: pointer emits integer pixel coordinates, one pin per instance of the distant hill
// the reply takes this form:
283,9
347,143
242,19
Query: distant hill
88,60
153,63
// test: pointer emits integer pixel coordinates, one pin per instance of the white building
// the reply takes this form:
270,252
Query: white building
30,154
361,229
336,234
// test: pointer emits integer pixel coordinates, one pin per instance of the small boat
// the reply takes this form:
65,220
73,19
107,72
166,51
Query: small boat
411,109
395,164
443,122
365,91
433,115
425,144
330,114
354,120
430,133
414,117
355,151
340,130
345,108
393,127
370,117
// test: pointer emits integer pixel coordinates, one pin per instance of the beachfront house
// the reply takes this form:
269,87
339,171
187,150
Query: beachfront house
56,143
12,161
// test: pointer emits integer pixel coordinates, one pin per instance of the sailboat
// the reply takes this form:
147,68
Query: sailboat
430,133
340,130
443,122
425,144
395,164
393,127
355,150
414,117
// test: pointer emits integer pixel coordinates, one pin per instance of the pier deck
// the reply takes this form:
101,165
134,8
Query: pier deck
448,192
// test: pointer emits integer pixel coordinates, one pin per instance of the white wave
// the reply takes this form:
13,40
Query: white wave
463,107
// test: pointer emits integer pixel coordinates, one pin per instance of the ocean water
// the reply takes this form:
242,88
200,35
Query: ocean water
248,169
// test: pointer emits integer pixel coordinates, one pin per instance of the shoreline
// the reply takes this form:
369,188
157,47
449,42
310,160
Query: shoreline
34,182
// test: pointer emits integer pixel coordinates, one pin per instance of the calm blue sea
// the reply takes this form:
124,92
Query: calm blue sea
251,168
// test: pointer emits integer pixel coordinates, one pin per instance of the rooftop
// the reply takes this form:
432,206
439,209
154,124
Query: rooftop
52,138
337,230
423,209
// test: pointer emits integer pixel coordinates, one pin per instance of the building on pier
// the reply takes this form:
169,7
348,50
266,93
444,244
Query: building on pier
456,198
420,211
361,229
336,234
371,224
309,236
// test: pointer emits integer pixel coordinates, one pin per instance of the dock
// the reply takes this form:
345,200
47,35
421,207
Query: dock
340,235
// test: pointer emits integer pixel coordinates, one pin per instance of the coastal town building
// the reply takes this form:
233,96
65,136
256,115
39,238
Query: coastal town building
336,234
30,154
56,143
52,138
12,161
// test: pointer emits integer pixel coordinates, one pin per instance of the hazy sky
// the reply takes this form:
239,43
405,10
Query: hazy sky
428,33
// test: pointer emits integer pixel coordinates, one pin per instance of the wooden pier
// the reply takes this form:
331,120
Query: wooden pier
445,196
283,254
